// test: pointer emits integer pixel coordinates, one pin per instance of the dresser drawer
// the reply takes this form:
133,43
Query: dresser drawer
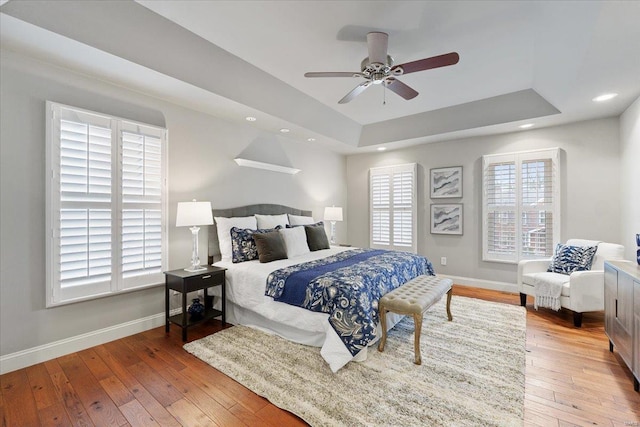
205,281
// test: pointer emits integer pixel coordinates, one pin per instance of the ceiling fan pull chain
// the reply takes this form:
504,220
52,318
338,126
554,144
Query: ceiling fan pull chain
384,93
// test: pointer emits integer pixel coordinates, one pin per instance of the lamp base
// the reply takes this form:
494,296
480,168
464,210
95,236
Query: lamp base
195,269
333,233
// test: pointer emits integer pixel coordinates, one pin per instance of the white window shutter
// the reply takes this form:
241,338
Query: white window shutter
141,233
538,196
380,204
393,207
521,205
500,205
105,200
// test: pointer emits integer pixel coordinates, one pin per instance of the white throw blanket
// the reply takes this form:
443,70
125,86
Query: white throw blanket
547,294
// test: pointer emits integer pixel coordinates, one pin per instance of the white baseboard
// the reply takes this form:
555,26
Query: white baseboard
42,353
484,284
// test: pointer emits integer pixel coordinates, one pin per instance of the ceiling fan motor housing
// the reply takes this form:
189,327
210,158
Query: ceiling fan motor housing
376,71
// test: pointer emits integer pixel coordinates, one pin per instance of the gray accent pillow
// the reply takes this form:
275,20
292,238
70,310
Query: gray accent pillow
316,237
270,246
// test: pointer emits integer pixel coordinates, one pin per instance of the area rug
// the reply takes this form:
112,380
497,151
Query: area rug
472,371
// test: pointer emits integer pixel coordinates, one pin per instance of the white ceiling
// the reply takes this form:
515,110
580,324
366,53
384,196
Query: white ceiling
566,52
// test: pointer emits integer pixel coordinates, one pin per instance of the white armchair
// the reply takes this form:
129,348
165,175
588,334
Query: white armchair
582,291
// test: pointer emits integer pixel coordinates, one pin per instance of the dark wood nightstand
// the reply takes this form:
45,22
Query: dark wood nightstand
185,282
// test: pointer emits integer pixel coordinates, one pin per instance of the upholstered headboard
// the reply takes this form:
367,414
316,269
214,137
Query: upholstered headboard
262,209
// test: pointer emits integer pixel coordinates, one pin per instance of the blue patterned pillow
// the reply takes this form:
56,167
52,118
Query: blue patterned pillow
243,248
568,259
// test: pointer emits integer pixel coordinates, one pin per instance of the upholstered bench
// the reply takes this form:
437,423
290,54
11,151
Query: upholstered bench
414,298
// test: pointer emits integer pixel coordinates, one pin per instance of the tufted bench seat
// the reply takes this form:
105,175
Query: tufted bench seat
414,298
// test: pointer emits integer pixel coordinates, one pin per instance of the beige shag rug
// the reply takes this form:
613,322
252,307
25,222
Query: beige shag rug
472,371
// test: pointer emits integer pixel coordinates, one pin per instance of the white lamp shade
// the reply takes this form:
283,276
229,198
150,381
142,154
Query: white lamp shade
333,213
193,214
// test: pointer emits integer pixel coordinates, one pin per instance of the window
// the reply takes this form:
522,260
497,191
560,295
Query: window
521,205
106,205
392,195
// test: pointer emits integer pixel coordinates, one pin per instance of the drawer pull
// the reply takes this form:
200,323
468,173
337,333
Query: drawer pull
208,276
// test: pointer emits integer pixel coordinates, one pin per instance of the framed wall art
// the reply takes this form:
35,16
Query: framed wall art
446,218
446,182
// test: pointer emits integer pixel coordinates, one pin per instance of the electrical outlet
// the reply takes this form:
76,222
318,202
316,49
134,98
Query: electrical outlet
443,260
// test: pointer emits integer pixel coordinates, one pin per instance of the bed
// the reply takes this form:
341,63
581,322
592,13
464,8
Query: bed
345,325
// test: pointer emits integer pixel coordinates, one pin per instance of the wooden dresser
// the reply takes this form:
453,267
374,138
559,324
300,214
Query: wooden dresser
622,312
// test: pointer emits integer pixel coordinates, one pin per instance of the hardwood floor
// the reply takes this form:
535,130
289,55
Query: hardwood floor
148,380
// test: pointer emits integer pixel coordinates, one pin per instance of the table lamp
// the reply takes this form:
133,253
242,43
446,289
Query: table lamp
193,214
333,214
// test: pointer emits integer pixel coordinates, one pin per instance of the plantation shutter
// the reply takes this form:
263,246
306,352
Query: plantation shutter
538,177
380,204
141,230
393,207
105,205
84,163
500,203
403,203
521,205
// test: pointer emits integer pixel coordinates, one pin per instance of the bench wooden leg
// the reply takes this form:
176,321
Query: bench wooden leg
383,326
417,320
449,293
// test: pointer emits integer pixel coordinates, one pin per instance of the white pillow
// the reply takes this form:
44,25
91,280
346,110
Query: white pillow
224,226
295,240
300,220
272,221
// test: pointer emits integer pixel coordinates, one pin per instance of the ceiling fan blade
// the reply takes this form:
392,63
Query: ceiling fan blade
400,88
333,74
355,92
427,63
378,44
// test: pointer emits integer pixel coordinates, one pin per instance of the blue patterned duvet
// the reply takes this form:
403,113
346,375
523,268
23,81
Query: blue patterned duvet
347,286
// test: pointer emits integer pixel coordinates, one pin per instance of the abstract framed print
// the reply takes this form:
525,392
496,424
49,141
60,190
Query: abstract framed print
446,218
446,182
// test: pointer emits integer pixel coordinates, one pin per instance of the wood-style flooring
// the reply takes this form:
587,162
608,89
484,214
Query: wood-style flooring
149,380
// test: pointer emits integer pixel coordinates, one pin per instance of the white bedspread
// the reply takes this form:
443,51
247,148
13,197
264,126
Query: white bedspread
245,287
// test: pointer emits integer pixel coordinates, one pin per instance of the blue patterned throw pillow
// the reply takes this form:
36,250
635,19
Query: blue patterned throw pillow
243,247
568,259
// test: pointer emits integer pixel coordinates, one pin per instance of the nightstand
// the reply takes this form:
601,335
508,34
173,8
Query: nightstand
185,282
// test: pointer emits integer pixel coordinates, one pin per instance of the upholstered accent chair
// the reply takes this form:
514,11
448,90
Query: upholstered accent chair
582,291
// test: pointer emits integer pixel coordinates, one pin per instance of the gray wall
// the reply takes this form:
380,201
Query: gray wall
630,177
201,152
590,197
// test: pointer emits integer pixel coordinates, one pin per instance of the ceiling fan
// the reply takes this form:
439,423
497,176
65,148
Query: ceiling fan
378,68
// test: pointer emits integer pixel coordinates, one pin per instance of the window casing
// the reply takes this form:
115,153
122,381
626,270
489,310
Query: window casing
521,205
393,207
106,205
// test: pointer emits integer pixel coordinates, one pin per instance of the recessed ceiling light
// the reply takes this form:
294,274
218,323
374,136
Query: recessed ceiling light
311,139
250,119
382,148
285,130
526,126
605,97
